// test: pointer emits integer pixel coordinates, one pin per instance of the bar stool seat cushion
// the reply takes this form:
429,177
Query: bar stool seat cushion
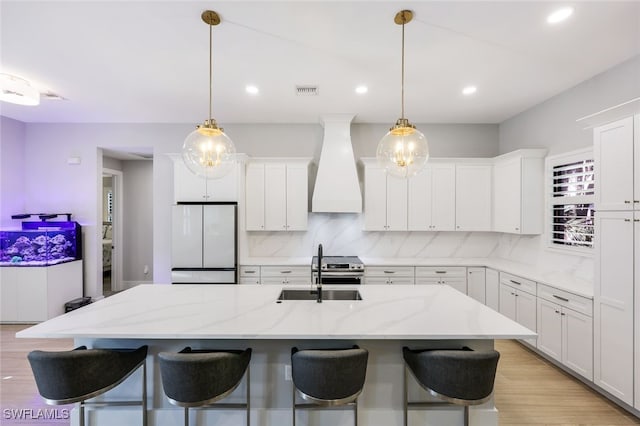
458,374
198,377
82,373
329,374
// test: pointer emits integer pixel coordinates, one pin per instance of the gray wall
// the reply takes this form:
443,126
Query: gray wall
552,124
138,220
12,171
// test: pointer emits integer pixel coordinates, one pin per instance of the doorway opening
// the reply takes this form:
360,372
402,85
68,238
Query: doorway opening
111,231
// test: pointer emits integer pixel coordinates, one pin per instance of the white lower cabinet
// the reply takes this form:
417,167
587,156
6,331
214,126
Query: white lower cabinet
476,284
34,294
389,275
454,276
249,274
613,303
566,335
518,301
279,275
492,289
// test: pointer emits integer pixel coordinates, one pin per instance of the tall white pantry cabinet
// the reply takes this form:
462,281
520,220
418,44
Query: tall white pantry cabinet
617,279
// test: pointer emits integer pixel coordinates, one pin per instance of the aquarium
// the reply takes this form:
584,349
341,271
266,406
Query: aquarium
41,244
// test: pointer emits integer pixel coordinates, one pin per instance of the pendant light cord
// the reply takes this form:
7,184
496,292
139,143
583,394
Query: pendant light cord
210,74
402,90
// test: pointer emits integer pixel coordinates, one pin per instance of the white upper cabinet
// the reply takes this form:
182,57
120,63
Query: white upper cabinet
385,200
518,192
432,198
254,197
473,197
190,187
277,195
615,168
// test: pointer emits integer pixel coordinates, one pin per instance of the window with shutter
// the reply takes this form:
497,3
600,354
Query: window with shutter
571,201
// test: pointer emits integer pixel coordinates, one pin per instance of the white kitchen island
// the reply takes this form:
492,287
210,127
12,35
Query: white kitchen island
169,317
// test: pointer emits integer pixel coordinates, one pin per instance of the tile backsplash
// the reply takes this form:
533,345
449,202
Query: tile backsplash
342,234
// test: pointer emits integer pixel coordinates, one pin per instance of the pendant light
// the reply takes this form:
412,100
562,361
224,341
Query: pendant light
403,151
208,151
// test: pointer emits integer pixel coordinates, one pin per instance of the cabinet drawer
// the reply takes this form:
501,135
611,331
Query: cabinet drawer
249,280
518,282
441,271
290,271
390,271
564,298
250,271
286,280
376,280
401,280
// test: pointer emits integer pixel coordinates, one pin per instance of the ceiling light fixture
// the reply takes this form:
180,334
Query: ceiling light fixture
361,90
404,150
208,151
559,15
252,90
469,90
17,90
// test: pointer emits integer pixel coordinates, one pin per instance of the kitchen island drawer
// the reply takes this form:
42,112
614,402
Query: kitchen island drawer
564,298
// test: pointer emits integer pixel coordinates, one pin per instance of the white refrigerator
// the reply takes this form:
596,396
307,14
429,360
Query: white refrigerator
204,243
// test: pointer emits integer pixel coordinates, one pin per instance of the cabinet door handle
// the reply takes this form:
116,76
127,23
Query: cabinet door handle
627,201
389,272
627,220
564,299
515,282
557,312
441,272
249,272
636,201
563,314
285,272
636,220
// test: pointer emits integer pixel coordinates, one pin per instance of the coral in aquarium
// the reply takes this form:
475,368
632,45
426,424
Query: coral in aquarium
40,249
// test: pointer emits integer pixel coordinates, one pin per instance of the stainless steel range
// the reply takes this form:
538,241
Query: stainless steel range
338,269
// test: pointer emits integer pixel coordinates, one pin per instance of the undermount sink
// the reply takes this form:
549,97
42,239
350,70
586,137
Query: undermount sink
329,294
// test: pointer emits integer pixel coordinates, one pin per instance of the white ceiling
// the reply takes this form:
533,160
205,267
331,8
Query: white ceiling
147,61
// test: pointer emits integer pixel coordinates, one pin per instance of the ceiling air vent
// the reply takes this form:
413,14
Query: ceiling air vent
307,90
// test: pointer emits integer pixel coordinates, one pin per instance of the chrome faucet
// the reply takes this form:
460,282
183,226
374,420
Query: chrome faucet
319,277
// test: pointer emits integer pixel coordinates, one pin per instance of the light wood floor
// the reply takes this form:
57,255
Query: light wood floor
529,390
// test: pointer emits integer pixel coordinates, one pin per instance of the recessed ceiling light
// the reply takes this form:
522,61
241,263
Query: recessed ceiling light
362,90
252,90
17,90
469,90
559,15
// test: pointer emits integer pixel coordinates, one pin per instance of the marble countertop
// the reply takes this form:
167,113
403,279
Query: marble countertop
563,281
251,312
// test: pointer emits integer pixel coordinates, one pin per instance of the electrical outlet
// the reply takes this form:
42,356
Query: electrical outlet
287,373
145,270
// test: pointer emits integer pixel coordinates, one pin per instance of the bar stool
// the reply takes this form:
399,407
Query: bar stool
460,376
199,378
328,377
81,374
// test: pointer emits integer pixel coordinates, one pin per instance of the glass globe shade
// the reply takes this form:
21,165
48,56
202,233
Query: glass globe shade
403,151
208,152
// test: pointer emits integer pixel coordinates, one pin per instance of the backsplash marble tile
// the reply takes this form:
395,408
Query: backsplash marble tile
342,234
532,250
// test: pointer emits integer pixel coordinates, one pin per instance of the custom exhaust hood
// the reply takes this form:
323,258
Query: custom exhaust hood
337,189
